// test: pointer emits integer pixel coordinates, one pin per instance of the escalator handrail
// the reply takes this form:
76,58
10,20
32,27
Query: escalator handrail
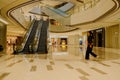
38,34
27,34
45,24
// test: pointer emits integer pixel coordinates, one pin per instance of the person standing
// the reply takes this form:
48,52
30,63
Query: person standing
90,46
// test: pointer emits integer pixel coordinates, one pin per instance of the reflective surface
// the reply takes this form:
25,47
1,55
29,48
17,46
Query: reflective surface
61,63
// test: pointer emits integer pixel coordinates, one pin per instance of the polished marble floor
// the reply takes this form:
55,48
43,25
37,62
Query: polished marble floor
61,63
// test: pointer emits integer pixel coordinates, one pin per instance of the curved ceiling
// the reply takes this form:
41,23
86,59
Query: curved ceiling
12,27
11,5
6,5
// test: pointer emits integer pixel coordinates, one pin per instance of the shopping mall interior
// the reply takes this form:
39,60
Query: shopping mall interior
48,40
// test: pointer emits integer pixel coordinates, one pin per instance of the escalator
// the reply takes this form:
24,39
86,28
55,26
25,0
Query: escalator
42,45
35,40
28,43
37,35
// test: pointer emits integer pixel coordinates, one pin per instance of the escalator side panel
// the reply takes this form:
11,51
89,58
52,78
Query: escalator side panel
42,46
37,36
30,38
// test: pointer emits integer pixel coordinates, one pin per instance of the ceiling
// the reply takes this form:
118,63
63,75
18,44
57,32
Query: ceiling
12,26
110,20
3,3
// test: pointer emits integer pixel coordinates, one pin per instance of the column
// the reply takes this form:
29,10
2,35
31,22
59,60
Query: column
3,37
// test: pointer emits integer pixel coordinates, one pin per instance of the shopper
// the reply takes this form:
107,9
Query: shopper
90,46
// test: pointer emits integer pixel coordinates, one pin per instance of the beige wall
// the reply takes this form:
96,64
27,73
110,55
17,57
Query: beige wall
73,44
112,36
73,39
119,36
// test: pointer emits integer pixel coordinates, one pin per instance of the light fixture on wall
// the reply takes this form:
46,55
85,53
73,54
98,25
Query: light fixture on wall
3,21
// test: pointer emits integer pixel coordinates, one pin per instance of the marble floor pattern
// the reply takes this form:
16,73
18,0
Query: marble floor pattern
67,64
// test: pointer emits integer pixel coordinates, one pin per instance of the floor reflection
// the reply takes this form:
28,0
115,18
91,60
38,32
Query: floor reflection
78,52
62,63
59,48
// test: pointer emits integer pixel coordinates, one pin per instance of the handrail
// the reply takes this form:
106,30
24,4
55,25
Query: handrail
27,33
57,11
66,7
85,6
101,10
37,36
61,29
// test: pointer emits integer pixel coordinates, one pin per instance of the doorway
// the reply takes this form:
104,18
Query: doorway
99,39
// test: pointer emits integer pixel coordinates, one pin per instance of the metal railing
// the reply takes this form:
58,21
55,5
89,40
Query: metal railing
84,6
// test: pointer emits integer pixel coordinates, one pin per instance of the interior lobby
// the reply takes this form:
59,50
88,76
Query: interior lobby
48,40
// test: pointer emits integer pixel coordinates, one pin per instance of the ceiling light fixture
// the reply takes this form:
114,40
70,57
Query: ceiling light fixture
80,1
